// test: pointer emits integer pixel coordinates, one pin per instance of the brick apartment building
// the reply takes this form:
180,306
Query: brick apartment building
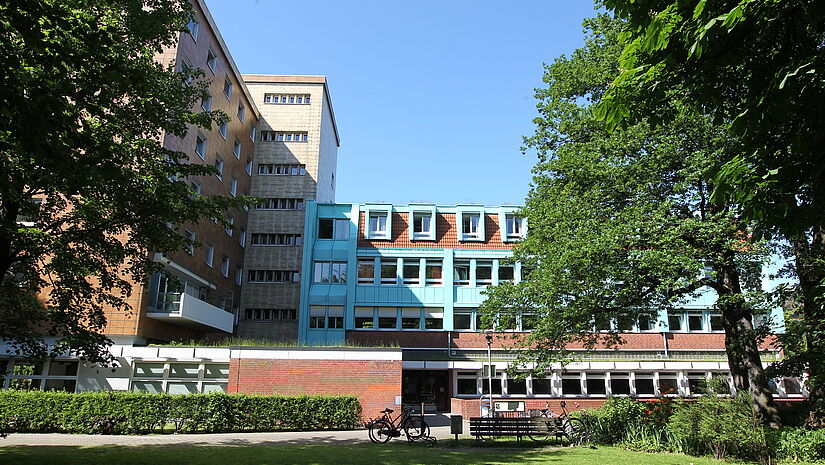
403,282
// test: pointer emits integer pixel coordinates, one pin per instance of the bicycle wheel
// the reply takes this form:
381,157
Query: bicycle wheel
380,431
577,432
416,428
543,431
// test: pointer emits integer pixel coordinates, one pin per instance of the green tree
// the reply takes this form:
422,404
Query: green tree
759,64
622,225
87,190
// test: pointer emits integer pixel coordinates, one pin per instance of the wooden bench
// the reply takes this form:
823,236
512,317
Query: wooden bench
482,427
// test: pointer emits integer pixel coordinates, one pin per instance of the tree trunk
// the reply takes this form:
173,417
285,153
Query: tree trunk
741,346
810,344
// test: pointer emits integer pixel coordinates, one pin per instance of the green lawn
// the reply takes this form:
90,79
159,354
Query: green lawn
393,453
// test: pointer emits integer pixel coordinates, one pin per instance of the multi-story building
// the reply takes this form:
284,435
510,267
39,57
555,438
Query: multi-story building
295,161
208,293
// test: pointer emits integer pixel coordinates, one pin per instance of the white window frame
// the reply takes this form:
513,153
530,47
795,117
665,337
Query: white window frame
194,29
227,88
198,140
470,211
225,266
211,60
421,211
223,129
237,148
219,165
241,112
503,216
378,210
206,102
210,255
233,186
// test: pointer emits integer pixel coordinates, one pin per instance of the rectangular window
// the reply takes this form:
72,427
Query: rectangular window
716,323
462,320
211,60
542,387
325,228
242,237
434,272
200,146
210,254
206,102
596,385
252,131
571,384
517,387
696,322
646,322
505,273
194,28
248,166
644,384
227,89
219,167
238,275
378,225
484,273
190,236
461,275
281,170
467,386
387,318
422,225
330,272
366,271
668,383
411,318
469,228
342,229
233,186
620,384
514,227
792,386
364,318
674,321
241,112
268,239
230,229
389,269
225,266
317,317
236,149
696,382
433,319
410,271
335,317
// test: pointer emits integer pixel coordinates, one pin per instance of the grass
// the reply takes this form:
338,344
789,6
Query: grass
465,452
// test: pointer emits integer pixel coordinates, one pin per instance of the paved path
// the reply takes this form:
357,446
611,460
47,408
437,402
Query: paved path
223,439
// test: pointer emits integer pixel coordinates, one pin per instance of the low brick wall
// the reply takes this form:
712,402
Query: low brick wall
376,383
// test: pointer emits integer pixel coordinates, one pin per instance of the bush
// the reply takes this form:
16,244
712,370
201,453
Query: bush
798,444
141,413
610,423
722,425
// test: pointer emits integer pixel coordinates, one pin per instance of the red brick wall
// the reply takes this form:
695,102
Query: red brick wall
407,339
375,383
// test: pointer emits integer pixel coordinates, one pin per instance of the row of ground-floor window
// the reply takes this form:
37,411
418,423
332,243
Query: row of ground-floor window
433,387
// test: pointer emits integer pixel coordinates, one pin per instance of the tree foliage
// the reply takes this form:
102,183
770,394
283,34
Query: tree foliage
622,224
760,65
87,189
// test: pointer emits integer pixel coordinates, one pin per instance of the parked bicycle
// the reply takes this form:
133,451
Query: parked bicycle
384,428
563,425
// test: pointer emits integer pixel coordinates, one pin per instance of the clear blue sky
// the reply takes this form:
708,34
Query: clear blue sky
431,98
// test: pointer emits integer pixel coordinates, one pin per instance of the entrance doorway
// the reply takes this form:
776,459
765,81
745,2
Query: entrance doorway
428,386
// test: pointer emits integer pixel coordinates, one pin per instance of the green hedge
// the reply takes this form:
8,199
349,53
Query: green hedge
140,413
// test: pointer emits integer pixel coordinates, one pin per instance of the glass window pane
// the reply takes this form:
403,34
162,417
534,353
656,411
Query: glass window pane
67,385
467,386
517,386
183,370
325,228
462,321
542,386
620,386
644,387
148,370
216,370
214,387
571,386
182,388
61,368
152,387
596,386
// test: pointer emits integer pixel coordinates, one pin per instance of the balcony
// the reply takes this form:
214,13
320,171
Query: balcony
183,309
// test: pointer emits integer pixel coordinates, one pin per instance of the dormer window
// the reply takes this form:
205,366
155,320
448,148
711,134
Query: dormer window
378,225
470,226
422,226
514,227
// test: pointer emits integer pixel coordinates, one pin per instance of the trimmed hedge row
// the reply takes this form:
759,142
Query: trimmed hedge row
141,413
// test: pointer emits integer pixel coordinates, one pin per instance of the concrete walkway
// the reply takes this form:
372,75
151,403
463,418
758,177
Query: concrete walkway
222,439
